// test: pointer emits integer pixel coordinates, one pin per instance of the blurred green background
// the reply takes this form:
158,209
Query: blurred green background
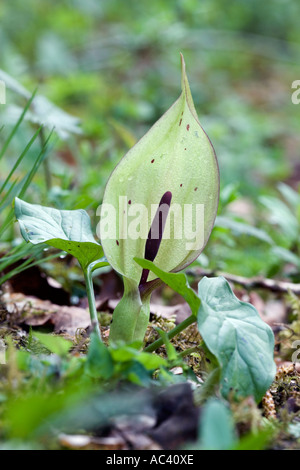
115,65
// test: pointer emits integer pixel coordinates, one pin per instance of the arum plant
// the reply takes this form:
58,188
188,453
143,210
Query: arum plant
171,173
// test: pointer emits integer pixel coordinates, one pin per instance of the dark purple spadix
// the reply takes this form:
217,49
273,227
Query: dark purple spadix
156,232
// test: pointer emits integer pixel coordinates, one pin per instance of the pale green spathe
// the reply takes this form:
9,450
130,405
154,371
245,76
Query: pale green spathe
177,156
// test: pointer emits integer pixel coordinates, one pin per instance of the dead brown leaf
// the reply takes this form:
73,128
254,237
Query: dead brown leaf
37,312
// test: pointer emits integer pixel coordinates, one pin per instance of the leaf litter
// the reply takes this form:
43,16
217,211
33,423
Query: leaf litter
21,313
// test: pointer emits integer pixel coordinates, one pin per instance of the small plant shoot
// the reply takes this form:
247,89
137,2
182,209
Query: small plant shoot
174,168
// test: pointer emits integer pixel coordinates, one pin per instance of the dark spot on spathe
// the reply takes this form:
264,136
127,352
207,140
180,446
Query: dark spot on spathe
156,232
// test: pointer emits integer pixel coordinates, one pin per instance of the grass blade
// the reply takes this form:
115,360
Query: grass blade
16,126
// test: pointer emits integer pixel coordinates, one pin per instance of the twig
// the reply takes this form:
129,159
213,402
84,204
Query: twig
251,282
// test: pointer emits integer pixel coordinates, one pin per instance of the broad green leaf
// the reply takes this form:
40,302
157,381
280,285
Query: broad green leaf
177,157
176,281
99,361
150,361
56,344
69,231
127,353
137,374
216,427
241,341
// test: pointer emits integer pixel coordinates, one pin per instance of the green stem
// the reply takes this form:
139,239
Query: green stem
126,315
188,351
91,299
178,329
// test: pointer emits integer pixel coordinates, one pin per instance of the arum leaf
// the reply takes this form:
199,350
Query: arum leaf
241,341
56,344
216,427
174,157
99,362
69,231
176,281
127,353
